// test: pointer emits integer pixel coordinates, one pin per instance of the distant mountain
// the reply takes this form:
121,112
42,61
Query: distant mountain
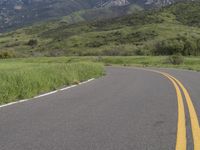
112,3
166,31
17,13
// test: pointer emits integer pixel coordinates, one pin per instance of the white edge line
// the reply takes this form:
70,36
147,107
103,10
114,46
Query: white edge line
66,88
46,94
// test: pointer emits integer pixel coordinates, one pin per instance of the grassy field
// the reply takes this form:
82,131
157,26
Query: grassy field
189,63
25,78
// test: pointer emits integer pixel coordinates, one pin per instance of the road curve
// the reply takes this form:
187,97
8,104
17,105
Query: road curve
128,109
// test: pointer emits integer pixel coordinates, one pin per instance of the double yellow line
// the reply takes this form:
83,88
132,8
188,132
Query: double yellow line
181,142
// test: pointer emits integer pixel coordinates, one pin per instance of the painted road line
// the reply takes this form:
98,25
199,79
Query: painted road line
181,140
12,103
46,94
193,116
66,88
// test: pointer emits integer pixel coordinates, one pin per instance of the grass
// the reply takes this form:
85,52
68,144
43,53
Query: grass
25,78
190,63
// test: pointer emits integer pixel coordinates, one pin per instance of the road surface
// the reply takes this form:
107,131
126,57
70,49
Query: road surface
128,109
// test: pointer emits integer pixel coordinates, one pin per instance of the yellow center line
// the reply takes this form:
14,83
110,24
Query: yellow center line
181,140
181,131
193,116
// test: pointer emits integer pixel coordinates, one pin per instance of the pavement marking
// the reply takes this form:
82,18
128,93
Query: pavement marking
66,88
12,103
193,116
46,94
181,140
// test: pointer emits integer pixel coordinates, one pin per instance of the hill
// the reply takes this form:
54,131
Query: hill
166,31
18,13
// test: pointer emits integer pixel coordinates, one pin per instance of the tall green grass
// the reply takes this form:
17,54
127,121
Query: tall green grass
20,80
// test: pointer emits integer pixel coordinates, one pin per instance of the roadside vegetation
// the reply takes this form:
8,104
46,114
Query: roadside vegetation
22,79
175,61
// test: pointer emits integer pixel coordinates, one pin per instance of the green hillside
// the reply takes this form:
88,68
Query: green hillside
98,14
20,13
174,29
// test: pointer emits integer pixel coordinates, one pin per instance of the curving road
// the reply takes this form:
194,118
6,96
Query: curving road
128,109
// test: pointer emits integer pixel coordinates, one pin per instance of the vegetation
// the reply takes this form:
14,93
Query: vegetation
176,59
28,12
182,45
170,31
191,63
25,78
6,54
187,13
32,42
166,31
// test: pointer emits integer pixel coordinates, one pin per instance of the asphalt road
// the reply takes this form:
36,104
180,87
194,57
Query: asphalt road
128,109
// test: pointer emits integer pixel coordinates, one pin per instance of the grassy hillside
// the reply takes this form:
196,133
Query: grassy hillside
161,32
98,14
16,13
19,13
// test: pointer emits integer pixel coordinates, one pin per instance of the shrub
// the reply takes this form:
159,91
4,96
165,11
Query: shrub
95,43
32,42
190,45
169,47
139,52
183,45
6,54
176,59
198,47
140,36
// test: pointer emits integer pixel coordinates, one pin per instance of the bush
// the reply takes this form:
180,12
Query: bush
176,59
169,47
32,42
141,36
190,47
139,52
96,43
6,54
183,45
